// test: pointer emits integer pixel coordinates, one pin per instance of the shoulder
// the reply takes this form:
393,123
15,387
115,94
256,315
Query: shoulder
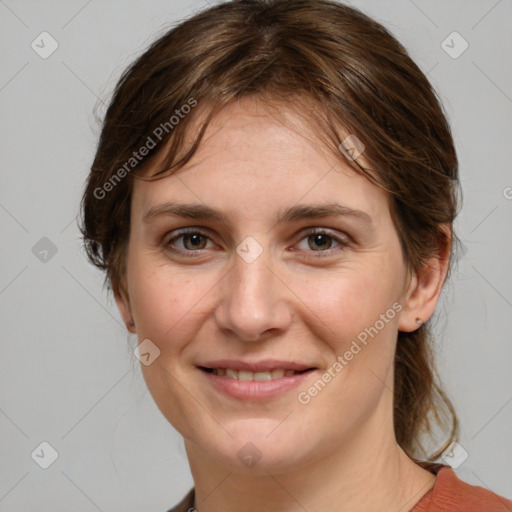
186,504
451,494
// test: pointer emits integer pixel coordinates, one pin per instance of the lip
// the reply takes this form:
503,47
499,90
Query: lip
256,390
263,365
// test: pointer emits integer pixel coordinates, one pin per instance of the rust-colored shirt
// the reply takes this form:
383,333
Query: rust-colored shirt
449,494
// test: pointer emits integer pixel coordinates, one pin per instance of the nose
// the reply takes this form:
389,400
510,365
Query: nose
254,301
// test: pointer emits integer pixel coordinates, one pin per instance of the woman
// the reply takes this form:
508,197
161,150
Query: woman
272,200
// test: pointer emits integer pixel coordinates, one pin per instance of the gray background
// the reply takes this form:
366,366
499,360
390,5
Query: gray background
68,375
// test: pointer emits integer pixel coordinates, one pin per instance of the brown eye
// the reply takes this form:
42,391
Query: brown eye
322,242
187,242
194,241
319,241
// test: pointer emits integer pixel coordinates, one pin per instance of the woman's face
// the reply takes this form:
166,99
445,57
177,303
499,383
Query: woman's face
253,284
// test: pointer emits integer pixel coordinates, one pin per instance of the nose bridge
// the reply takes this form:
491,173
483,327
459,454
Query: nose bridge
253,300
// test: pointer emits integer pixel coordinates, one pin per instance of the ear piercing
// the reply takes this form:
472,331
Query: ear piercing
131,323
419,321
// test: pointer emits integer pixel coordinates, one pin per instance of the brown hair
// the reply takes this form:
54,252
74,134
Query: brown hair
335,66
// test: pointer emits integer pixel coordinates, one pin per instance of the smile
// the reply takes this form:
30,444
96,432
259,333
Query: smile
245,375
259,385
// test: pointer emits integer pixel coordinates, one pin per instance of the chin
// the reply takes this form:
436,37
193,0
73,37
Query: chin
258,450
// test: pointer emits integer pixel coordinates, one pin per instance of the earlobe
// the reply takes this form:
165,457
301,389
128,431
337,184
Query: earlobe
425,289
124,308
419,303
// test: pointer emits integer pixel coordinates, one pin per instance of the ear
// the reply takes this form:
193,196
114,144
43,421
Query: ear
425,286
123,303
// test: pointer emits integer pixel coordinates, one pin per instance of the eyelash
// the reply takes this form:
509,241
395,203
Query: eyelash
343,242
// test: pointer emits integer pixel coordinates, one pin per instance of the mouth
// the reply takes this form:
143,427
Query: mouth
260,381
247,375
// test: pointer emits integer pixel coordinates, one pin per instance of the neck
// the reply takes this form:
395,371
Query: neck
365,472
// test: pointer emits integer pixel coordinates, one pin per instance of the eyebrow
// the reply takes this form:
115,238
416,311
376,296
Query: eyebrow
292,214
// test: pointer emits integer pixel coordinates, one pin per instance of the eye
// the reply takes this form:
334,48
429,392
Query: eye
189,241
321,241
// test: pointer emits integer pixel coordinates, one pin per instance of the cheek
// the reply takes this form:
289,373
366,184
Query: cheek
347,303
167,307
163,303
352,314
353,317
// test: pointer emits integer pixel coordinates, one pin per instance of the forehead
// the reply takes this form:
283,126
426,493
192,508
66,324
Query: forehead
248,153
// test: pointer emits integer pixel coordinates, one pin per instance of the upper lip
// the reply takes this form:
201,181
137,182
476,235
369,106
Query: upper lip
255,366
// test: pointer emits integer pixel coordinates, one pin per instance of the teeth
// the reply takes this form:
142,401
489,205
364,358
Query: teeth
245,375
232,374
262,376
277,374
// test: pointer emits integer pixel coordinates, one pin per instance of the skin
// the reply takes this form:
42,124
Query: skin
338,452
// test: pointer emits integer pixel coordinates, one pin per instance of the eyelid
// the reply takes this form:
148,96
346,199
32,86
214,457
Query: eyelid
343,241
179,233
327,231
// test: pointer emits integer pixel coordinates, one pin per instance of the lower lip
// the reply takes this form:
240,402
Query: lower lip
255,389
